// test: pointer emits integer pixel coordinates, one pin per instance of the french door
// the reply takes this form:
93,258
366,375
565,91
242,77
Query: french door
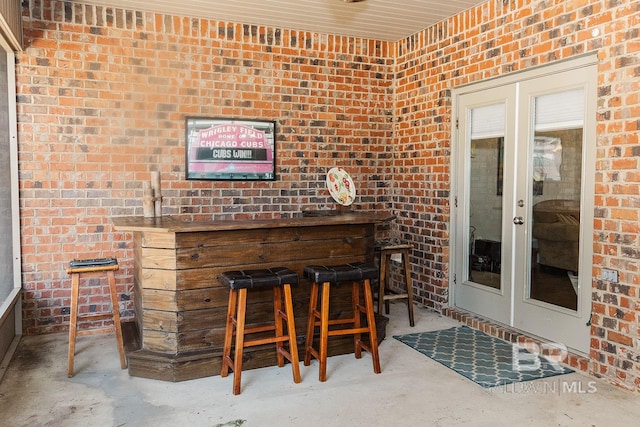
523,201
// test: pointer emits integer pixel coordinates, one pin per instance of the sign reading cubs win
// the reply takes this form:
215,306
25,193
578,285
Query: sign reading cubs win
230,149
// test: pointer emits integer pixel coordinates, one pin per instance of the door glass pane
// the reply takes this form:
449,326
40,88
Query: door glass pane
556,165
486,153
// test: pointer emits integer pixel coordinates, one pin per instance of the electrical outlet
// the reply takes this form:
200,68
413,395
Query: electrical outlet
610,275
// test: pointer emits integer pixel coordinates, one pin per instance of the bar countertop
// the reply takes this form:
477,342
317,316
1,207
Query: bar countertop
184,224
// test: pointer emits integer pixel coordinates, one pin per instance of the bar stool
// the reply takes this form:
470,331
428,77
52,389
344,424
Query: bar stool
359,274
93,267
389,251
278,278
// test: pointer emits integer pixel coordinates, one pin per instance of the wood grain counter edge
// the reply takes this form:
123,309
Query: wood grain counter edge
178,224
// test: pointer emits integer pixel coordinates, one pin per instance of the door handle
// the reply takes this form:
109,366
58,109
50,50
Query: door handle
518,220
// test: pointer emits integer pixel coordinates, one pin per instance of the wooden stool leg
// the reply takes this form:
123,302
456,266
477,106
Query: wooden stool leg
228,333
311,323
291,329
371,321
324,331
279,329
387,279
407,275
382,280
240,322
355,303
116,317
75,279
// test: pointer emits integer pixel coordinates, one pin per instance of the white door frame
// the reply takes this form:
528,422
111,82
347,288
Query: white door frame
476,297
11,306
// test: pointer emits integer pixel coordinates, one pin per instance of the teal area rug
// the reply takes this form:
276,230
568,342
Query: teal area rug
487,361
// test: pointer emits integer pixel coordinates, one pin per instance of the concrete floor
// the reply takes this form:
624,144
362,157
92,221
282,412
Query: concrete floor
412,390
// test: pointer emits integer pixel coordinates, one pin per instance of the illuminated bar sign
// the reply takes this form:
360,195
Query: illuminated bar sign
230,149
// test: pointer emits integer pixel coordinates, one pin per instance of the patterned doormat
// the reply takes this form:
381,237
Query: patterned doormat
485,360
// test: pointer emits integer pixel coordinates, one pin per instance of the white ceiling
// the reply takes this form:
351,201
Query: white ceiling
389,20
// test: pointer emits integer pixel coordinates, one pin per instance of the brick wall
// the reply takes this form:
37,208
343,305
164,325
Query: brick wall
497,38
102,96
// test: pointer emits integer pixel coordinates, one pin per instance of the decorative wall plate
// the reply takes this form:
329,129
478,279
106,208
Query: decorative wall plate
341,186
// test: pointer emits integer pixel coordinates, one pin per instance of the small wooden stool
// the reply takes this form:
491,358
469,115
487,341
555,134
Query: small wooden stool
360,274
278,278
387,250
93,267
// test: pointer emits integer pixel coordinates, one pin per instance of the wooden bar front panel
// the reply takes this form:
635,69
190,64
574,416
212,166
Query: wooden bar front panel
180,304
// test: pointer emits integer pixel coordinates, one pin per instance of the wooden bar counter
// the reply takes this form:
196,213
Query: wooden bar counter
180,305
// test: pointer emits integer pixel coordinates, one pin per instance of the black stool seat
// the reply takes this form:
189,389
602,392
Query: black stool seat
352,272
92,263
263,278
